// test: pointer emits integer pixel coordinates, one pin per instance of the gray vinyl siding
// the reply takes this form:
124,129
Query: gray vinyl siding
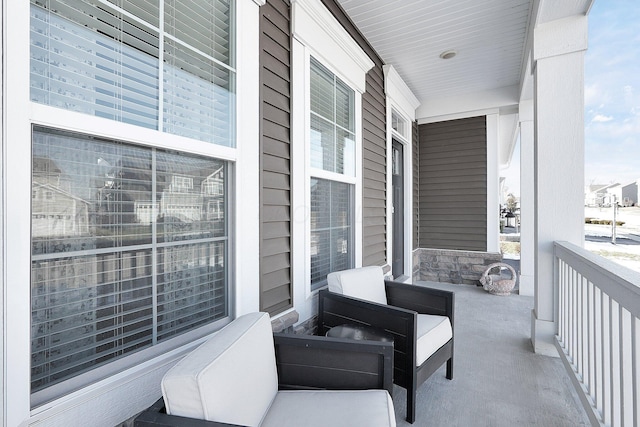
275,157
374,170
374,150
453,184
415,153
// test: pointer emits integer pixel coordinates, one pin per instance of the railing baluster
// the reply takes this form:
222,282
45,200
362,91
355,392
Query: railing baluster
626,370
635,371
606,361
598,340
615,362
589,380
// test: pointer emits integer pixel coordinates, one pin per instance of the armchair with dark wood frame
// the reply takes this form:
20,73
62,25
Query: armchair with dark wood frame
303,363
401,317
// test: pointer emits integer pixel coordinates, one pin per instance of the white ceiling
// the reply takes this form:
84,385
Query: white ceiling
489,36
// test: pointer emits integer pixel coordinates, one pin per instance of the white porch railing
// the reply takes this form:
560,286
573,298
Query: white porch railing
598,334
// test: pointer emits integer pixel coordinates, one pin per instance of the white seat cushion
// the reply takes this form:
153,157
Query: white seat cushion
433,333
231,378
348,408
365,283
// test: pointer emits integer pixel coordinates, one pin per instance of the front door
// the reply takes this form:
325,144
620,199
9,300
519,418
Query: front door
397,170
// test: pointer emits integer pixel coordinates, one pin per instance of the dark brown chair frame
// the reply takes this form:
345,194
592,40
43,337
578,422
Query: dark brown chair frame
307,363
399,318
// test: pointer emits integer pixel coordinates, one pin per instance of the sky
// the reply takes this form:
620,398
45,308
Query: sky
612,97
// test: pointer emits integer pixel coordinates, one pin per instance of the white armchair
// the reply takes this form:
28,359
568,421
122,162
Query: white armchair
238,377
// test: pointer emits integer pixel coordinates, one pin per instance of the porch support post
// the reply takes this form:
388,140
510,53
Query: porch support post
527,197
558,48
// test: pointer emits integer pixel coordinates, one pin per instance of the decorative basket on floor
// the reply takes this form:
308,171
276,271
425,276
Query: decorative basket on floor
495,283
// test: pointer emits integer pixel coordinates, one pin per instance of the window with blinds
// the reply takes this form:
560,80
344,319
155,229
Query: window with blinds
121,60
129,248
331,229
332,148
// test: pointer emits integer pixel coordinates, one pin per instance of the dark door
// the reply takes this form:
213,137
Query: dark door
397,170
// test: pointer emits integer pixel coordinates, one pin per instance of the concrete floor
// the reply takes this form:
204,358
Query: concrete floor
497,379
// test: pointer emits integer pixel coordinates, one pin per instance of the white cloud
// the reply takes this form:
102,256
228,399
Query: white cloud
599,118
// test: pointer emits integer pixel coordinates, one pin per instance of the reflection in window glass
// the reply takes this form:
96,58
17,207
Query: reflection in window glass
120,232
331,229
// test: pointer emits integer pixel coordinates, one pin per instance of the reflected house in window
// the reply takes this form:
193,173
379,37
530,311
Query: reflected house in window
180,202
213,192
54,210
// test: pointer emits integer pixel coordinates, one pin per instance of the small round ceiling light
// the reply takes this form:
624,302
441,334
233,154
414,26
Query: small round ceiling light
448,54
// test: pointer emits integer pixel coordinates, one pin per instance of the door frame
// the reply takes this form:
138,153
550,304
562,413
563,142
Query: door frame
396,210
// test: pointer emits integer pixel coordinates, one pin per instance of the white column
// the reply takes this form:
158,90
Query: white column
493,184
527,213
558,160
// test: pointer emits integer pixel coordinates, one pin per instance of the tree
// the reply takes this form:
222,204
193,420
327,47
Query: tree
512,203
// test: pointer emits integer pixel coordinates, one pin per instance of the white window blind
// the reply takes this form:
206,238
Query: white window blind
129,250
331,229
104,59
332,122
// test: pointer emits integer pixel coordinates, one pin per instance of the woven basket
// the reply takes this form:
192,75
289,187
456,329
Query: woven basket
495,283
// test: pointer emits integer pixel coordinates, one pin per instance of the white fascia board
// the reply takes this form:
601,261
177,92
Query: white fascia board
260,2
467,105
399,92
314,26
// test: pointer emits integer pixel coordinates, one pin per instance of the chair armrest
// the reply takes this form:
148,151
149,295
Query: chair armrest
156,416
313,362
421,299
336,309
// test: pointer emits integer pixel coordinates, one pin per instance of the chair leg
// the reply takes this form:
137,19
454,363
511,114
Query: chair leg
450,369
411,404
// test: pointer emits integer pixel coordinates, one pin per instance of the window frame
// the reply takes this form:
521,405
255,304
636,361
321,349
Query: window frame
332,176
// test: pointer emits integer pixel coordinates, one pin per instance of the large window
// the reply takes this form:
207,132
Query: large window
130,242
121,60
333,153
129,248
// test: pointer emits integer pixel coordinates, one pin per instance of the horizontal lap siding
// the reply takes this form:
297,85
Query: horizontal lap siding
452,184
374,171
275,157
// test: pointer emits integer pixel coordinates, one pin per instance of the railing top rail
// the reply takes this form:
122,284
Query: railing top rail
619,282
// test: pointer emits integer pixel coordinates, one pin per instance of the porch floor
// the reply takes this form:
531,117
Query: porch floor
497,379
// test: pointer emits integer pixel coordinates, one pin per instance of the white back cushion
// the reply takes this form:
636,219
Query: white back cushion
365,283
231,378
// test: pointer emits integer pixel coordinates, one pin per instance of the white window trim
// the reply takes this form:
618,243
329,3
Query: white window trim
316,32
314,26
403,102
134,389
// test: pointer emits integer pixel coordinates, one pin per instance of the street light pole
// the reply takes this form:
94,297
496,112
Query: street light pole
614,204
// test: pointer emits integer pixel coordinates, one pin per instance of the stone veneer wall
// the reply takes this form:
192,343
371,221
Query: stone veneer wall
451,266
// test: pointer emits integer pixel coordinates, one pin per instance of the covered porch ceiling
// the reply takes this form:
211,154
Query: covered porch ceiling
491,39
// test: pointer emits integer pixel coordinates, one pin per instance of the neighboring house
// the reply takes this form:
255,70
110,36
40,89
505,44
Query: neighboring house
224,159
602,195
629,194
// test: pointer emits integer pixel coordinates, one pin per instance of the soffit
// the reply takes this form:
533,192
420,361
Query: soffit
489,37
